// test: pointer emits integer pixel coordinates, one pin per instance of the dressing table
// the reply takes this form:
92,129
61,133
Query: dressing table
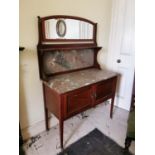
72,78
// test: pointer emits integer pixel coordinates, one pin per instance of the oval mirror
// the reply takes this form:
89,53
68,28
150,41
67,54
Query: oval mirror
61,28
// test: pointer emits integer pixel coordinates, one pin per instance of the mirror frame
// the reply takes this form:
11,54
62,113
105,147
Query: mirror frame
43,39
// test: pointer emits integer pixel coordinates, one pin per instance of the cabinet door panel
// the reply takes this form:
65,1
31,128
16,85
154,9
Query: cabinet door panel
79,101
104,89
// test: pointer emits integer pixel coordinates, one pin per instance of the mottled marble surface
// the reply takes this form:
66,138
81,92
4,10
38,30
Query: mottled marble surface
70,81
58,61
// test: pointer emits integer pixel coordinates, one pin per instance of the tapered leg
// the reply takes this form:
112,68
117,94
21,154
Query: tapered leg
61,133
46,119
112,105
46,110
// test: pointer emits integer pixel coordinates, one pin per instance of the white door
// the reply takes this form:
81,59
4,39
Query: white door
121,50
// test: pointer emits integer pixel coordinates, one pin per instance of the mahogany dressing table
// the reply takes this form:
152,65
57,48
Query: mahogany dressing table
72,78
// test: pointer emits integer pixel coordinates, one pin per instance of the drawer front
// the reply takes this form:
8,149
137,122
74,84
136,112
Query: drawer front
104,88
78,101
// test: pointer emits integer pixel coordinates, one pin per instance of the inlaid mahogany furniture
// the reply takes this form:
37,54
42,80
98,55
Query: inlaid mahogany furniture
72,79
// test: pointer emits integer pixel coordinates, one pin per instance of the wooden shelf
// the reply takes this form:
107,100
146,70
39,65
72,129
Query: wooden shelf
67,47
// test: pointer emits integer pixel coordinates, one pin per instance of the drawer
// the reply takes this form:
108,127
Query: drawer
105,88
78,101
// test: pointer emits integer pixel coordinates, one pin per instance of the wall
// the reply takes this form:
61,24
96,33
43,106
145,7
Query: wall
31,99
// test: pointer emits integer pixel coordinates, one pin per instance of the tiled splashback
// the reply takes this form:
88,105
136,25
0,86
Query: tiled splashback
58,61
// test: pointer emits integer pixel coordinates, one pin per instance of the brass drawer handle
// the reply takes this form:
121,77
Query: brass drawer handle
92,96
95,95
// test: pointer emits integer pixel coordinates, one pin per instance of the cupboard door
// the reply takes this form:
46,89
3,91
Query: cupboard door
105,90
78,101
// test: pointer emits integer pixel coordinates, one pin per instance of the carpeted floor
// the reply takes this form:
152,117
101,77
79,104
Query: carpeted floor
95,143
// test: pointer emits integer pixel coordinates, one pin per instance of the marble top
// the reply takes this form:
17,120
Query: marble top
71,81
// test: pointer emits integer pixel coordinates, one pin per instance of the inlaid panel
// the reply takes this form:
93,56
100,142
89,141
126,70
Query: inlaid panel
58,61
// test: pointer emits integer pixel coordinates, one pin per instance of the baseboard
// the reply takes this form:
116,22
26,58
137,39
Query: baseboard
120,103
37,128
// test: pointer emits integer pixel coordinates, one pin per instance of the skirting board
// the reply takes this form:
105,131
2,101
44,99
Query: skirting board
37,128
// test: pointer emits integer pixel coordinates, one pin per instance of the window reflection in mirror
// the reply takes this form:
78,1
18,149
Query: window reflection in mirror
71,29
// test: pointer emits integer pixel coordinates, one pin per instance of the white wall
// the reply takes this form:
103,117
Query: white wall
31,99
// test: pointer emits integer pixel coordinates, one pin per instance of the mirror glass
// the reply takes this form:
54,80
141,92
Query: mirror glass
68,29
